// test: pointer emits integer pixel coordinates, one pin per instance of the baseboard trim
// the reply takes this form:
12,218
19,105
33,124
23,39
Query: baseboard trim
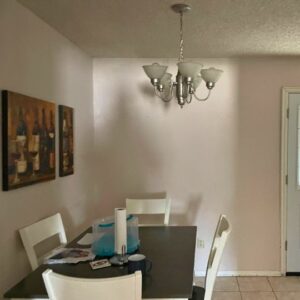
242,273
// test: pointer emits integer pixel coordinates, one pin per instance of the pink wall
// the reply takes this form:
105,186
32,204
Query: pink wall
220,156
37,61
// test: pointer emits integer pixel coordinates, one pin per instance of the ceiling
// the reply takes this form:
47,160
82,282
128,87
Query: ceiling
148,28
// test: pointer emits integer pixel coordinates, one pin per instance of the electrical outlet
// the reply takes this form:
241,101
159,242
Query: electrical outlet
200,243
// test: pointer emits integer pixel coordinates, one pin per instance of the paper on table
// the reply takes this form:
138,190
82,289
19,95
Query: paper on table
87,239
69,256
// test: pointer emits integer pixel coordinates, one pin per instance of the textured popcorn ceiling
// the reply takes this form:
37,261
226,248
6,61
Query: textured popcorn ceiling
148,28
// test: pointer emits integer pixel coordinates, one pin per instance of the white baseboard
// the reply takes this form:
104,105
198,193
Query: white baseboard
241,273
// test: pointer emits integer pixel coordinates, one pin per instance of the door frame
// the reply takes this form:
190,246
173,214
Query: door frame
283,171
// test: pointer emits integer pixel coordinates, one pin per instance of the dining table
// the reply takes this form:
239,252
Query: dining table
171,249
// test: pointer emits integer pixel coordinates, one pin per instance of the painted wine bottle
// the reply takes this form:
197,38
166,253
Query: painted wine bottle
66,159
21,139
34,148
71,141
51,142
44,146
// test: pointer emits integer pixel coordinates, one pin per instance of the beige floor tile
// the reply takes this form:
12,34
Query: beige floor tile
226,296
288,295
258,296
254,284
226,284
288,284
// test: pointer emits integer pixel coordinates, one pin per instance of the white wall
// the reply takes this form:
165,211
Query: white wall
37,61
219,156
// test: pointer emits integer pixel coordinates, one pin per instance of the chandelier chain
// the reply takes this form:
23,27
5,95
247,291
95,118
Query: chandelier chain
181,38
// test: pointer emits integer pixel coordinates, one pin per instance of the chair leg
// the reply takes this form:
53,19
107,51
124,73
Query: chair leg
198,293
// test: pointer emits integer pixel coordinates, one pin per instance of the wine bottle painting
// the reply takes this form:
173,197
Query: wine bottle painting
66,140
28,140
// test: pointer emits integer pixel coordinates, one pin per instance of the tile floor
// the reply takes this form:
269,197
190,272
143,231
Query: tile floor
255,288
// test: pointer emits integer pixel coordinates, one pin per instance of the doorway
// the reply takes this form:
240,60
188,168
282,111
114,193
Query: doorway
290,182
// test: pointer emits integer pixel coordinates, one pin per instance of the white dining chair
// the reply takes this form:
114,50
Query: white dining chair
60,287
220,238
40,231
150,207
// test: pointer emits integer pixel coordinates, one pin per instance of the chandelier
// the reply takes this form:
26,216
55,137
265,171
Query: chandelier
189,75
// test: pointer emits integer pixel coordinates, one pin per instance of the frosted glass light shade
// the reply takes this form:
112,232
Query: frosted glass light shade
155,71
211,74
166,79
189,69
196,81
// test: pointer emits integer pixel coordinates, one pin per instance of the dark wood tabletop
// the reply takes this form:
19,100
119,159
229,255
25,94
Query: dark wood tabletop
171,250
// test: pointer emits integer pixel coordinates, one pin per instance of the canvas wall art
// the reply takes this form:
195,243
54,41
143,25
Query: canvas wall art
66,140
28,140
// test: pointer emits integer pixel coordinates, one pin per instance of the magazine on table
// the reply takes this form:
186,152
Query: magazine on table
69,256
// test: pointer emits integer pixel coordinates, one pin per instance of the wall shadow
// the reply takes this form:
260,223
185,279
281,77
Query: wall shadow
188,214
126,158
147,90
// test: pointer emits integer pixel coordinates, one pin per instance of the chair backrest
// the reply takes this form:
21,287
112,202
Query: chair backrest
40,231
220,238
60,287
150,207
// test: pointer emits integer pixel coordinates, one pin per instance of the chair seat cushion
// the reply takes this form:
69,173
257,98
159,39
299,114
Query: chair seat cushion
198,293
